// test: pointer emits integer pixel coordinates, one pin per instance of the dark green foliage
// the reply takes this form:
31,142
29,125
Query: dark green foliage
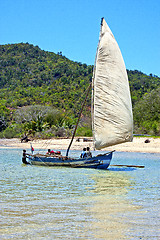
4,116
147,113
3,123
141,83
30,76
33,76
145,92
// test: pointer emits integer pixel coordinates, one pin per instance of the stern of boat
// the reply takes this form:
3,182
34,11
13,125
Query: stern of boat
104,160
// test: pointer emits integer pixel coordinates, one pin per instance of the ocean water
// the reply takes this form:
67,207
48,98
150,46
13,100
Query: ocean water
67,203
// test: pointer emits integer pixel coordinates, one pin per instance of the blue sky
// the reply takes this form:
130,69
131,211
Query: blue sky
72,26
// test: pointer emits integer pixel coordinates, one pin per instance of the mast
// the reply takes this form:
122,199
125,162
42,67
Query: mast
89,87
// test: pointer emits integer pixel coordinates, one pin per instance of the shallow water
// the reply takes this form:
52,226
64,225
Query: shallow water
67,203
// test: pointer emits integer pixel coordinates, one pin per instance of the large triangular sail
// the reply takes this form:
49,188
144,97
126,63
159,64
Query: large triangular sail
112,108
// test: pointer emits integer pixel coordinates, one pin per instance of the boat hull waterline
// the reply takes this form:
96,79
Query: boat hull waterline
101,161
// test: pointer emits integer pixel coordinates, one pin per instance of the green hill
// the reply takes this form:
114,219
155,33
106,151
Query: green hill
30,76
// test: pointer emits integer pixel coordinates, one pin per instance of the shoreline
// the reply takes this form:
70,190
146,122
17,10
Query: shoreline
138,144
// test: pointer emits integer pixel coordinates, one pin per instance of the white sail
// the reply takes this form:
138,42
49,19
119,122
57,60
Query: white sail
112,108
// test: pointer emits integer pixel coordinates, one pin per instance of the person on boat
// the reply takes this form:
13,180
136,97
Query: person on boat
32,149
83,154
88,153
50,152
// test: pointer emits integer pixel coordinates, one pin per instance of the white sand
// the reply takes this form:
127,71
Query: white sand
138,144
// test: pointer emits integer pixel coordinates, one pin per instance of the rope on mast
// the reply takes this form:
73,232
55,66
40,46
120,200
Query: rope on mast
89,87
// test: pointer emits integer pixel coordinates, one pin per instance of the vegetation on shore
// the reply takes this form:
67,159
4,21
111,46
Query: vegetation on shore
41,94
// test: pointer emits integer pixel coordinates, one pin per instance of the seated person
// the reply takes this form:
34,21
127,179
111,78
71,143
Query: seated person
50,152
88,153
83,154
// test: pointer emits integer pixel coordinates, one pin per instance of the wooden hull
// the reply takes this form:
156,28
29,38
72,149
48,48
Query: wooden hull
101,161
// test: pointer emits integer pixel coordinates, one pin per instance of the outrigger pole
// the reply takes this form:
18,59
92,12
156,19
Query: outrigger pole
89,87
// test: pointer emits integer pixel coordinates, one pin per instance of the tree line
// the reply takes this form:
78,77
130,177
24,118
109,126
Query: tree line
31,78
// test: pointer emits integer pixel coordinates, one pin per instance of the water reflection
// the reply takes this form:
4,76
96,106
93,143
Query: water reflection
63,203
109,200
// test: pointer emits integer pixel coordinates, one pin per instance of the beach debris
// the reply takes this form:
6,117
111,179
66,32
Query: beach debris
147,141
87,140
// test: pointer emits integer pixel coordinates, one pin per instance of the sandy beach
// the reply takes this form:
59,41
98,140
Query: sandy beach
138,144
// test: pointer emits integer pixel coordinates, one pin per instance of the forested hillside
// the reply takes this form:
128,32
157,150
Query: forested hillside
31,79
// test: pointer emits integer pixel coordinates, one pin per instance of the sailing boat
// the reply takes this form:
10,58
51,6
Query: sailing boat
112,120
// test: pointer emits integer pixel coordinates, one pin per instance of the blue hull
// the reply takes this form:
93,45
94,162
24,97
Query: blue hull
101,161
